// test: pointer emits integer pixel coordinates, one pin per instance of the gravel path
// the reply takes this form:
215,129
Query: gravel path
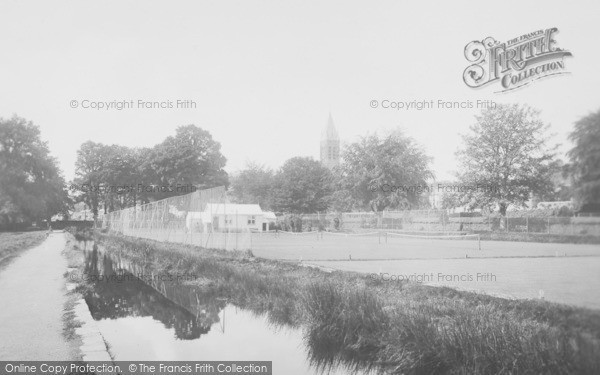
33,294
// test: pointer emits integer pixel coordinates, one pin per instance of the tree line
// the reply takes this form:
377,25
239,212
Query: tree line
507,152
112,177
507,147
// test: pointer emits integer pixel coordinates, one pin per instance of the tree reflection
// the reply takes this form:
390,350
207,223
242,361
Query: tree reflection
119,293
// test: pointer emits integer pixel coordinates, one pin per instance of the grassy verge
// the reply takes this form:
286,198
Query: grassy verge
14,243
402,327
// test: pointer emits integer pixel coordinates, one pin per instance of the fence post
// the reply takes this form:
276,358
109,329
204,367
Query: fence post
527,223
548,228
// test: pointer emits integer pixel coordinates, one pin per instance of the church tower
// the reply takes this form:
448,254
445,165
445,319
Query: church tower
330,145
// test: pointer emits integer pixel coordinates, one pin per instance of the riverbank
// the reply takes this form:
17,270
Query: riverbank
14,243
402,327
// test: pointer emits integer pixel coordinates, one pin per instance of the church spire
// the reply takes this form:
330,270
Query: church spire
330,132
330,145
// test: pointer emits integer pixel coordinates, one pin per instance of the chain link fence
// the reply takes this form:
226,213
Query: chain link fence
441,221
204,218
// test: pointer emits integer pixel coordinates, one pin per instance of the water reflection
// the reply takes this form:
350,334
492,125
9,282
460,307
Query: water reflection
137,320
118,293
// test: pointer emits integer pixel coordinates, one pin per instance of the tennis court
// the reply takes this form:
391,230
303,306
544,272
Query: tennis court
390,246
564,273
569,280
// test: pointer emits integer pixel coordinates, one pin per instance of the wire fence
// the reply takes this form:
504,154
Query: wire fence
204,218
441,221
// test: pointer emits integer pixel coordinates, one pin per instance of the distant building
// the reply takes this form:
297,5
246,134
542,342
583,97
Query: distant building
218,217
330,145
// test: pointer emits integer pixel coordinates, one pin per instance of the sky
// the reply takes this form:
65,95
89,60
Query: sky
265,74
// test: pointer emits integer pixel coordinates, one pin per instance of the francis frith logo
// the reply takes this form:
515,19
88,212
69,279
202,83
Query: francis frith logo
514,63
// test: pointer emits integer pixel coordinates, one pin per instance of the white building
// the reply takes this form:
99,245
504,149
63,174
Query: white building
220,217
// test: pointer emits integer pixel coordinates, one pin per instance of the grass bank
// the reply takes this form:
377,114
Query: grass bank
401,327
13,243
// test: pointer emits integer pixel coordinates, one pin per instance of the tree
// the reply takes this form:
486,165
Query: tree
585,159
191,157
107,176
253,185
377,173
31,185
506,158
302,186
143,174
120,176
342,200
90,173
114,177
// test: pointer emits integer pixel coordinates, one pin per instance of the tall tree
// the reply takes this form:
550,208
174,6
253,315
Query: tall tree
90,172
190,157
31,184
119,175
507,155
114,177
302,186
585,159
375,171
253,185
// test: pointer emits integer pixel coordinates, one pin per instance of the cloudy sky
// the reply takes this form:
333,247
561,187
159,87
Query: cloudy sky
265,74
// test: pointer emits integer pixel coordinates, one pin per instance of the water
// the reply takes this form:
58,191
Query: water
140,323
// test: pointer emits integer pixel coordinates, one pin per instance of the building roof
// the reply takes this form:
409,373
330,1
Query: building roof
233,209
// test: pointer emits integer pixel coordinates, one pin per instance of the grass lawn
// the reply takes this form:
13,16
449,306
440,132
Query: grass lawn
13,243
